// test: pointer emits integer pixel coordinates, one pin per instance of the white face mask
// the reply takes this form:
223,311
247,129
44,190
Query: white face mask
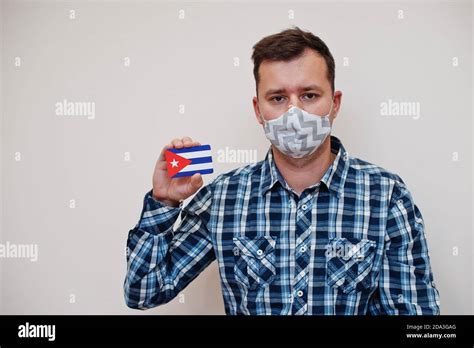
297,133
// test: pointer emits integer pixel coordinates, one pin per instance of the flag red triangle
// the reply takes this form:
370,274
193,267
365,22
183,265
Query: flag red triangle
175,163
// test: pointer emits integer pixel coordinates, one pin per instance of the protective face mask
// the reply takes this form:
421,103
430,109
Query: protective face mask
297,133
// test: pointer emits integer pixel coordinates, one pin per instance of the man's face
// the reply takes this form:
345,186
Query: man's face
300,82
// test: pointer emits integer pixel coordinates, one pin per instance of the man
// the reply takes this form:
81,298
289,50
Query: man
308,230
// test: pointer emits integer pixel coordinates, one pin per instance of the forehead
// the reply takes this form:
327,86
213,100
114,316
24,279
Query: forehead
309,68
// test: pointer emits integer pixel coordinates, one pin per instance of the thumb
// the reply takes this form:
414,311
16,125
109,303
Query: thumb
196,182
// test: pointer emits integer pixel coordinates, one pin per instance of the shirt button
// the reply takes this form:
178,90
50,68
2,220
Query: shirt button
259,252
299,293
291,205
400,203
304,206
303,249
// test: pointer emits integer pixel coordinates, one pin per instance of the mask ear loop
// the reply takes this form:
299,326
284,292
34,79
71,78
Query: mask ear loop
260,115
332,104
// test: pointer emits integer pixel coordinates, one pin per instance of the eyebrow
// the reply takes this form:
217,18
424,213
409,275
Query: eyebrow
281,90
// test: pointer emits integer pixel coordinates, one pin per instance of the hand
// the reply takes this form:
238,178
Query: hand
172,191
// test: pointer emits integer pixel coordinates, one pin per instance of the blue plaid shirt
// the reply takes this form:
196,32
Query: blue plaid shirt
354,243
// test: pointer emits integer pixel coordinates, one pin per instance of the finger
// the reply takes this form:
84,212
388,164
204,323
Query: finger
161,165
177,143
188,143
196,181
162,153
186,140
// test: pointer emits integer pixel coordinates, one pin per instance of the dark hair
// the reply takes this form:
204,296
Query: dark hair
287,45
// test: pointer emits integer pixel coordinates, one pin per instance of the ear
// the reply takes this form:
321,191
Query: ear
256,109
337,104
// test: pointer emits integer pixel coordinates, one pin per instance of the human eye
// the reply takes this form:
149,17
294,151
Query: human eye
310,96
279,97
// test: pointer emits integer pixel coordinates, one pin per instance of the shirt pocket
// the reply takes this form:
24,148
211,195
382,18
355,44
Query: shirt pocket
349,264
254,265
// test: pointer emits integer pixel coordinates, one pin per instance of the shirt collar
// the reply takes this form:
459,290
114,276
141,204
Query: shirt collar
333,178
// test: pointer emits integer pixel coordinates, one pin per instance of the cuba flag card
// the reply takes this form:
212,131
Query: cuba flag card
188,161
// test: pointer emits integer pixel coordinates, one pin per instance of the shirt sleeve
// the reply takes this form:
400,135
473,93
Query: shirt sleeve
161,260
406,285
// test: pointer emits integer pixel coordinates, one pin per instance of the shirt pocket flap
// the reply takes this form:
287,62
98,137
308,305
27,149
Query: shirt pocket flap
349,263
256,247
254,261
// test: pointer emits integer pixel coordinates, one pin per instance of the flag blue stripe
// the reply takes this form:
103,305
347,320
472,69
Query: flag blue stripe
191,149
202,171
198,160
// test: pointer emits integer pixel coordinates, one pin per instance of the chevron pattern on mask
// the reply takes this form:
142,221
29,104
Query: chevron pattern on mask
297,133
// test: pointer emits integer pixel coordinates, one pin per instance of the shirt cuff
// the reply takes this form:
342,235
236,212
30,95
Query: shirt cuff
157,217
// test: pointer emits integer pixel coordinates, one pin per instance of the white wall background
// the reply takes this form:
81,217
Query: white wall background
191,61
